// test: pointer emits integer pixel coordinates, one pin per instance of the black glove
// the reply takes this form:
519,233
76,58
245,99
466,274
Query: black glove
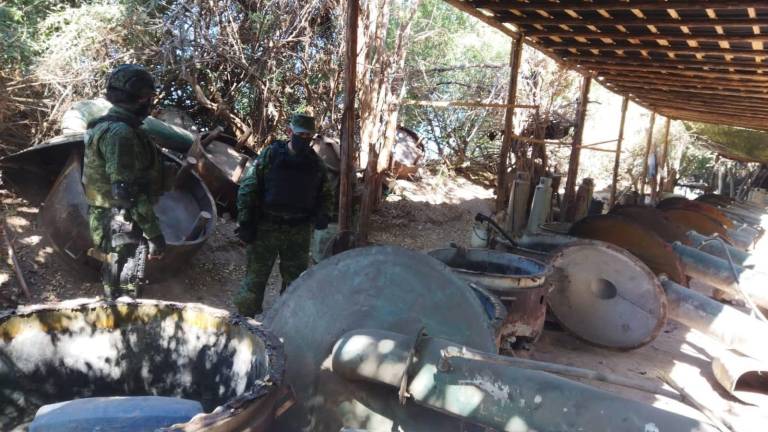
122,193
321,221
156,246
246,234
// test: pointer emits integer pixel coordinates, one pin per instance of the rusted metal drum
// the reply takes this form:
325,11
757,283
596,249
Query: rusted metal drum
698,222
654,220
696,206
83,348
519,282
220,165
187,216
640,241
605,296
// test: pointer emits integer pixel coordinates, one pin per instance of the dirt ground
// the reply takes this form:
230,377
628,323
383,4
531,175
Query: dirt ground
420,216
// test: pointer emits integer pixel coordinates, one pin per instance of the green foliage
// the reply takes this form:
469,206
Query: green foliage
697,165
738,143
455,57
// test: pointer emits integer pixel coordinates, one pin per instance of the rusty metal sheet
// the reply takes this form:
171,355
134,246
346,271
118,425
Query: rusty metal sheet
220,166
605,296
64,217
640,241
698,222
696,206
743,377
655,220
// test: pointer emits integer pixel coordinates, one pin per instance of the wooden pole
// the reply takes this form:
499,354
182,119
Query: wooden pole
573,163
617,159
348,118
648,145
15,262
515,55
664,154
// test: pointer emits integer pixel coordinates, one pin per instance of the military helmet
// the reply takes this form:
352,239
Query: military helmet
133,80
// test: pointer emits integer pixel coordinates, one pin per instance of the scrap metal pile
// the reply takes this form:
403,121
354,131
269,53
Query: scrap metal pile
382,338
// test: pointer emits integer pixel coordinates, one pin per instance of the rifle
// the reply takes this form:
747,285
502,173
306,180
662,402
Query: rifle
123,231
134,270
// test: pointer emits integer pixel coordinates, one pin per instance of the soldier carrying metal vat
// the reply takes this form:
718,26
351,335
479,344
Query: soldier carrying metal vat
123,178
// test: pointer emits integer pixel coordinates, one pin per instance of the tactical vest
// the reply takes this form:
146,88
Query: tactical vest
96,182
292,182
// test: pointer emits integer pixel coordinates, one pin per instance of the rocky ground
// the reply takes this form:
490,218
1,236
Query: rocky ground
421,216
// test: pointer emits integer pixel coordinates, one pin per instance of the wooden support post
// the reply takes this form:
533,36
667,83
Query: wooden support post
573,163
662,169
516,51
648,145
617,159
15,262
348,118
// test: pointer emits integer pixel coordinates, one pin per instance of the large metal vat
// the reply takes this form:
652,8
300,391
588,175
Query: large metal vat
82,348
519,282
64,213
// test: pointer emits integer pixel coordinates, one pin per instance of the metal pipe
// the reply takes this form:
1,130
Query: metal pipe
718,273
540,205
490,393
728,325
518,203
645,385
705,244
743,236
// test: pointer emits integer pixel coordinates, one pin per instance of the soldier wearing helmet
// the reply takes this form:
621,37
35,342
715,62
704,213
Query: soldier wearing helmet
281,196
123,177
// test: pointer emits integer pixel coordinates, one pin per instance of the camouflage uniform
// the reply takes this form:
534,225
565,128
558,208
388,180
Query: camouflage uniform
282,233
116,151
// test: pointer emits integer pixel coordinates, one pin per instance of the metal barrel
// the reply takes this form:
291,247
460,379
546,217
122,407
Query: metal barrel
542,198
733,328
436,374
718,273
519,282
714,247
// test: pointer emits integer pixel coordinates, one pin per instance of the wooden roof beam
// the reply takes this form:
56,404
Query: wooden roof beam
754,104
696,90
564,45
708,84
599,67
716,119
629,82
644,61
608,5
648,21
681,80
712,105
680,37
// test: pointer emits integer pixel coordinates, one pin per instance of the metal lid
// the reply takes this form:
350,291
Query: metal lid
605,296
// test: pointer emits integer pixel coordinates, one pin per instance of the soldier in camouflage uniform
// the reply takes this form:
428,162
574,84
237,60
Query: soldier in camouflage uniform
281,195
123,175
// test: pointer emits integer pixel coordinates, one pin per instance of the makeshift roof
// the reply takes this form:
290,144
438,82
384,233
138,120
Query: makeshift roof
689,60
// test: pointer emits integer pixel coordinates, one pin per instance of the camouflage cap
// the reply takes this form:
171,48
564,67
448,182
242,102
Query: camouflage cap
302,123
132,79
